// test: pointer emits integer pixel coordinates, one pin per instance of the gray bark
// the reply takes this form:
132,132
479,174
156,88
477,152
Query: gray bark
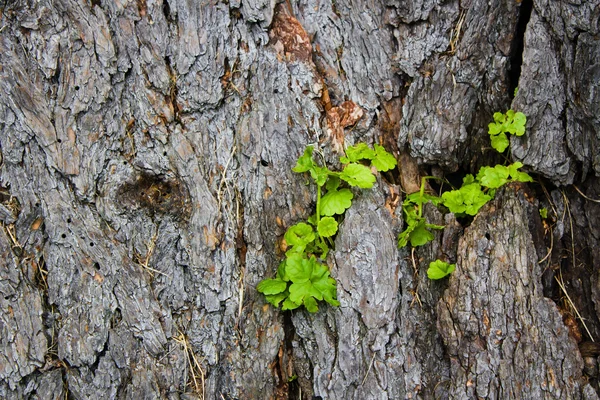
146,183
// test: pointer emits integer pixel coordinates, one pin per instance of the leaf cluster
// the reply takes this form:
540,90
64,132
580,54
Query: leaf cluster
302,279
510,122
474,193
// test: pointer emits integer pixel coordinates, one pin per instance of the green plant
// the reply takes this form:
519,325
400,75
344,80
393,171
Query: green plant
477,191
418,230
302,279
474,193
544,213
510,122
439,269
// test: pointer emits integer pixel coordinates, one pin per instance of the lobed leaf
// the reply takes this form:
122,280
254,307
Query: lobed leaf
493,177
276,299
383,161
319,174
271,286
305,162
298,268
360,151
358,175
300,234
327,227
439,269
517,175
336,202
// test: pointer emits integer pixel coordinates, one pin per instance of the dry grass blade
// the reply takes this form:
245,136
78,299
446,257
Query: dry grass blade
368,370
562,286
584,196
194,365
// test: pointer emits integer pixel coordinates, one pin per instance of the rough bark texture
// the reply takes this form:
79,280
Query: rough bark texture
146,153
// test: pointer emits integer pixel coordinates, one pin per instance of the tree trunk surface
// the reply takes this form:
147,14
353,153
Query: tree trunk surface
146,184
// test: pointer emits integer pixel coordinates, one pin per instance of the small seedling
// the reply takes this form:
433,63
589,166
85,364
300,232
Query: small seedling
302,278
510,122
544,213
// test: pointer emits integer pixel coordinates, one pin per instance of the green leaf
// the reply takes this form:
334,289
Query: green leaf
454,201
327,227
359,152
332,183
336,202
358,175
499,117
300,234
500,142
311,304
298,268
404,237
325,284
493,177
319,174
289,305
298,291
519,122
420,235
271,286
416,198
275,299
511,122
383,160
305,162
473,198
544,213
517,175
439,269
468,179
281,275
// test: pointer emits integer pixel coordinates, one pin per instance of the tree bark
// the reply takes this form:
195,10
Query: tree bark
146,184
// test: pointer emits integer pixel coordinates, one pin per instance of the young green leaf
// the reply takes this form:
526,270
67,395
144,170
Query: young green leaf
298,291
543,212
311,304
305,162
275,299
332,183
319,174
499,142
420,234
383,160
358,175
336,202
493,177
439,269
454,201
298,268
360,151
468,179
271,286
289,305
517,175
327,227
300,234
511,122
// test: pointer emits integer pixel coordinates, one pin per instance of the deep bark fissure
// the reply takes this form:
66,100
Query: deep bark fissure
516,58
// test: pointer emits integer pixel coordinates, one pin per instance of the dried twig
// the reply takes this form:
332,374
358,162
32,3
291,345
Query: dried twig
584,196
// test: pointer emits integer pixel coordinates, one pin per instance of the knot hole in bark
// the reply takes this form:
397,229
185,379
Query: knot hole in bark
156,194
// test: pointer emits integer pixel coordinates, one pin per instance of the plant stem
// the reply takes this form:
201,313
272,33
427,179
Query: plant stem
318,204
